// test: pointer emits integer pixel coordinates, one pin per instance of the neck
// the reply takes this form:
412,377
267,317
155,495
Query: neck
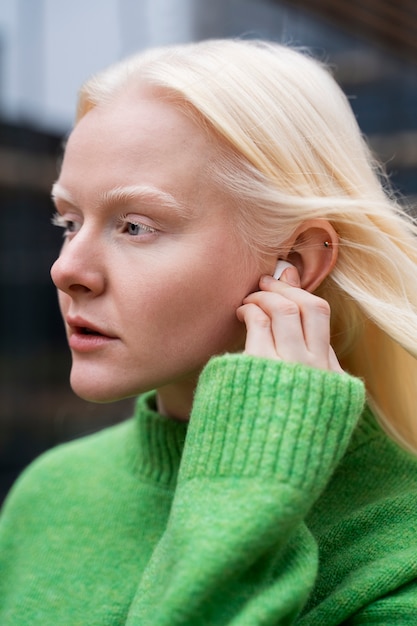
176,400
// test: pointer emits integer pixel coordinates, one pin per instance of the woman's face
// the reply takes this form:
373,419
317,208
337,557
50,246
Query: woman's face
151,271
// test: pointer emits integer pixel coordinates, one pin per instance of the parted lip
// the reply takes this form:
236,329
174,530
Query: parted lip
81,326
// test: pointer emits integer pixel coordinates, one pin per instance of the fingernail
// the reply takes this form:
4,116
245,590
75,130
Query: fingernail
280,268
292,277
266,280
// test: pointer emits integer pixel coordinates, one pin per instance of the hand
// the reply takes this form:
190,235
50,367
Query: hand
285,322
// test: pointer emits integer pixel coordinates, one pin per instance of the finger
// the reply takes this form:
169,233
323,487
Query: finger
259,338
314,314
290,276
285,321
316,325
334,364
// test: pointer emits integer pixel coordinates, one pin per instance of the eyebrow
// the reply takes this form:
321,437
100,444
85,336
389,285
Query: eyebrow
60,193
122,195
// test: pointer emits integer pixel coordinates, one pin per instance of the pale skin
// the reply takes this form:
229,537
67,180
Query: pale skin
151,278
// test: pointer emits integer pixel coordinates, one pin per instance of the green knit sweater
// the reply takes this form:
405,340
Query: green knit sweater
282,503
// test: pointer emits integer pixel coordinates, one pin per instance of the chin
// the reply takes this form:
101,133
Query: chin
98,397
99,394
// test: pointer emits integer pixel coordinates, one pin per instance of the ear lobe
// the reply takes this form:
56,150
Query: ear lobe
314,252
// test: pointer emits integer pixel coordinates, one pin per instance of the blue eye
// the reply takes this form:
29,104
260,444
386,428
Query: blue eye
136,229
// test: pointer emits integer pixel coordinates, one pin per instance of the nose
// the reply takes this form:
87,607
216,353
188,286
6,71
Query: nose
78,269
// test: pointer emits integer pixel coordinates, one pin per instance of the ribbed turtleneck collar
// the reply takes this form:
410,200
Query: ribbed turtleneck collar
367,429
160,441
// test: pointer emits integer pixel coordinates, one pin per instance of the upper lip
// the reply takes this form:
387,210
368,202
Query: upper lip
78,324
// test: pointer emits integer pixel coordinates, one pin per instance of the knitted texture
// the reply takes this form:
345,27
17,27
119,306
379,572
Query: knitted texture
274,507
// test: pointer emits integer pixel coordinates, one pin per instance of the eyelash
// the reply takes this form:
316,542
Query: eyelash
70,226
62,222
124,223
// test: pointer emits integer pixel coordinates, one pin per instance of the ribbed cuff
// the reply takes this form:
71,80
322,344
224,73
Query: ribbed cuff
258,417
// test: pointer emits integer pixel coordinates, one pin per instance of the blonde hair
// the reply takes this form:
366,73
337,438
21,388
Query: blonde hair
295,152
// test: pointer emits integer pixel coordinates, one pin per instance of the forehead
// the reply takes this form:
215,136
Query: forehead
140,119
142,140
139,135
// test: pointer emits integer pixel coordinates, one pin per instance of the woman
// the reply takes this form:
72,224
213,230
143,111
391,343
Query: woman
253,485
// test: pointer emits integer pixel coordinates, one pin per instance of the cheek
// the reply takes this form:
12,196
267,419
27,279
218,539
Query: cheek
201,299
198,320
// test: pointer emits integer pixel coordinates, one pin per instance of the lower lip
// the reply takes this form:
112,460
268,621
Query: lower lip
88,343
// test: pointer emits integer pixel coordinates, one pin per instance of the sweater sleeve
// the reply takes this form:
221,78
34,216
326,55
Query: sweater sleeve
399,607
263,441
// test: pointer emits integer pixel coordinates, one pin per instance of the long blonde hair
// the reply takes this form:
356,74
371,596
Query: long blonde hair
293,152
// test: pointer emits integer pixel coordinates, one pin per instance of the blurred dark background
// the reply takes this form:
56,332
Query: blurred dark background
47,48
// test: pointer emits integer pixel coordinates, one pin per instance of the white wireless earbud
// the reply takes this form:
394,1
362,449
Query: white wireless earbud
281,266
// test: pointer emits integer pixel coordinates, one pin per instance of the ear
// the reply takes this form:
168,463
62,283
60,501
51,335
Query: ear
313,249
